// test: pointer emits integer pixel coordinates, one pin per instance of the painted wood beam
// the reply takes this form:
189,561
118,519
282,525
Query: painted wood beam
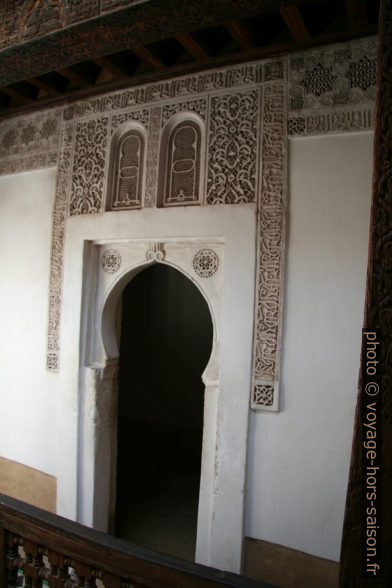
240,33
72,76
295,23
192,46
41,85
105,63
12,93
148,57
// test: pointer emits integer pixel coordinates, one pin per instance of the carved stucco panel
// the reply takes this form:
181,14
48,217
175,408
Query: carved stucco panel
270,247
30,142
232,148
88,173
332,89
198,106
153,157
141,116
57,250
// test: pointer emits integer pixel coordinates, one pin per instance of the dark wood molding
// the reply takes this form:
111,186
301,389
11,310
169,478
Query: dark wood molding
378,314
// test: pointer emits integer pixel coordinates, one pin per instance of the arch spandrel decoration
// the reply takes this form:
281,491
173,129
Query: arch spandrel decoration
117,264
126,172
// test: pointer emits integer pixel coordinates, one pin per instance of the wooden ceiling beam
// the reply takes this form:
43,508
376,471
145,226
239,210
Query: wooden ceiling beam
240,33
41,85
221,60
105,63
12,93
356,12
295,23
72,76
146,55
192,46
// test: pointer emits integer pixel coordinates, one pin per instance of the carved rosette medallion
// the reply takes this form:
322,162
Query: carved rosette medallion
111,261
205,263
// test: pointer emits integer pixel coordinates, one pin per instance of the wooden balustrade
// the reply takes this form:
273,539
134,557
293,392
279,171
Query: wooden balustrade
48,550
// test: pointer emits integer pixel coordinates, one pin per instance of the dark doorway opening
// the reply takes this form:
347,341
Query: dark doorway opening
166,341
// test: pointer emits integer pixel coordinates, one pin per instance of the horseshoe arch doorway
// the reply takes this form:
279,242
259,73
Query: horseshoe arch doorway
165,345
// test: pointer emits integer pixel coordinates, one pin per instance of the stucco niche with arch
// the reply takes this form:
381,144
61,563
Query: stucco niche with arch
121,134
170,127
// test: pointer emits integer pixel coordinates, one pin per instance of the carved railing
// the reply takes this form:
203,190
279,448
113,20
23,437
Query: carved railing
42,549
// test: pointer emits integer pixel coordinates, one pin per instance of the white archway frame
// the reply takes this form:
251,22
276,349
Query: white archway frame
182,232
101,386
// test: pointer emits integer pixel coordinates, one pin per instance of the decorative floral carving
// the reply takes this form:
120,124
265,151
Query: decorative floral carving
141,116
262,396
111,261
235,77
321,121
233,148
270,238
152,157
89,166
25,19
333,89
156,252
198,106
58,234
29,142
49,128
362,73
273,70
206,263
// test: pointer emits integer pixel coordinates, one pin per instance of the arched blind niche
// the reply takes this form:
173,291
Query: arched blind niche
181,161
126,174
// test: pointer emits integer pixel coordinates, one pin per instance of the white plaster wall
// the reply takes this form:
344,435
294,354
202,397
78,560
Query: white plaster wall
28,397
299,458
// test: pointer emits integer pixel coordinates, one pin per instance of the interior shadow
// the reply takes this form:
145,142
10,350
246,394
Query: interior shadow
166,341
